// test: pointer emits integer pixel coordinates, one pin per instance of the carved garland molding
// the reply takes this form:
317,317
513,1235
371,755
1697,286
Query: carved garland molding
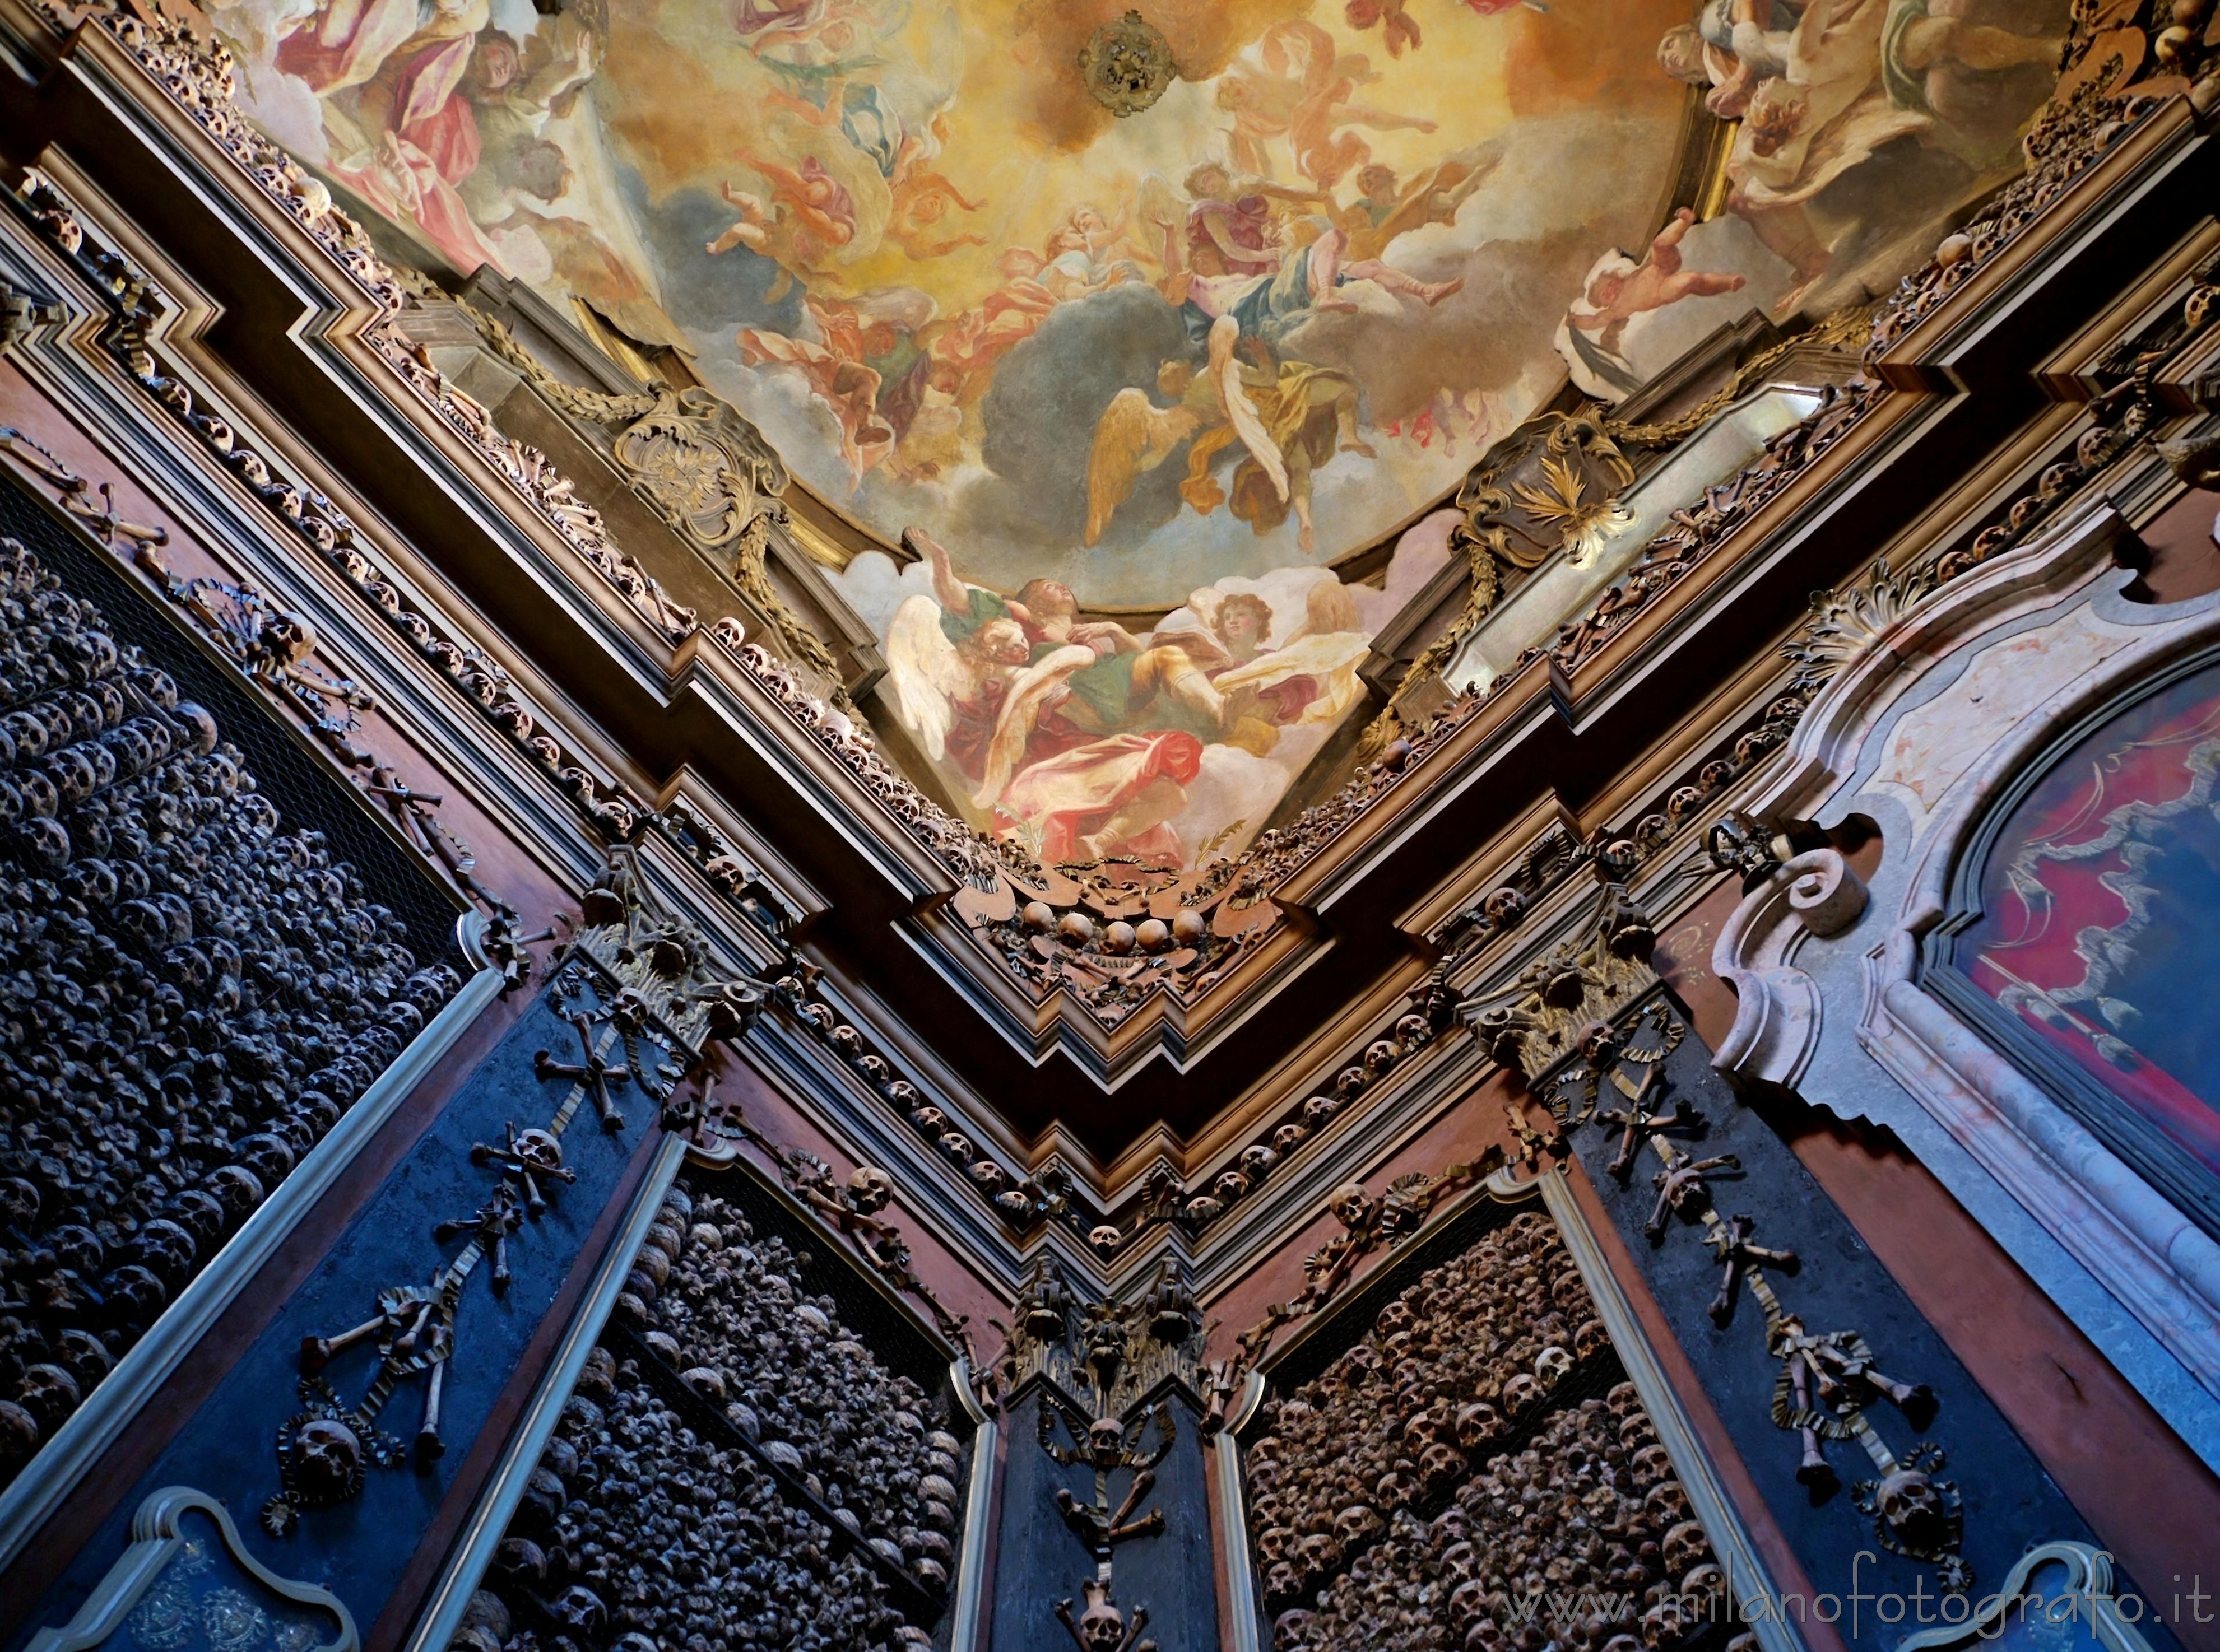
138,306
201,78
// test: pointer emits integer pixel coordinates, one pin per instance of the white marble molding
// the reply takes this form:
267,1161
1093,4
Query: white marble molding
1931,729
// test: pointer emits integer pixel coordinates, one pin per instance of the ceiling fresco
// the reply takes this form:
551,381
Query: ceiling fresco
1179,364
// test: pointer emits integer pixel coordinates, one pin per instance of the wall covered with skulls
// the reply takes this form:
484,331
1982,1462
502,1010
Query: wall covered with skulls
1477,1446
734,1470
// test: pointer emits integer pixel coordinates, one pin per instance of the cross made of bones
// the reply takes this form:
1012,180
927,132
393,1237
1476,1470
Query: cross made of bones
415,1327
593,1073
1106,1446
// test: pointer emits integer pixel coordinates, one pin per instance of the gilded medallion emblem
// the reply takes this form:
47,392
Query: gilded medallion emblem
1127,64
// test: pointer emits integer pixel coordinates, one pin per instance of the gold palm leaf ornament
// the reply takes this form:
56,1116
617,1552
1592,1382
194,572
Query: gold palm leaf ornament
1586,526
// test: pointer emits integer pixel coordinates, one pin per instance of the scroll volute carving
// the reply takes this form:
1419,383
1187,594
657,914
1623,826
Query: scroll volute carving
706,470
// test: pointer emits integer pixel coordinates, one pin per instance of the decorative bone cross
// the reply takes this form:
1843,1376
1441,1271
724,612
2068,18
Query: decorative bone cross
596,1075
1730,1242
417,815
1639,1125
493,1222
1680,1181
1106,1446
530,1157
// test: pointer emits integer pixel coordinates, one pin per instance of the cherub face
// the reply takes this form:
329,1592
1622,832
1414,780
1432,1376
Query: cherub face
495,63
1772,121
1208,180
1681,54
1000,642
1378,182
1240,627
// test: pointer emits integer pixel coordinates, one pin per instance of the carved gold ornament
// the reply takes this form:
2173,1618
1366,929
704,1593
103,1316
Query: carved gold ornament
1562,501
1127,64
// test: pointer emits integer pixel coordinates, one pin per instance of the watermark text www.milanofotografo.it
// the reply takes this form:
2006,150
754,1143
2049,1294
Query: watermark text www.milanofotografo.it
1859,1608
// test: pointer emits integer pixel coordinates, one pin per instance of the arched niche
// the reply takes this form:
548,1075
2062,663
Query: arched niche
1952,719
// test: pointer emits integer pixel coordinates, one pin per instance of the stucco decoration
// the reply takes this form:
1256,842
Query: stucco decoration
1958,698
1777,1011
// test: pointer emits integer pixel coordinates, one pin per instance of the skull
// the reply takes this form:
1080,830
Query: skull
544,1496
1257,1161
1282,1582
1503,907
1395,1317
1705,1582
327,1460
1439,1463
1276,1543
1590,1339
1685,1547
1318,1109
1101,1626
49,1394
580,1608
1552,1365
1666,1503
1598,1044
1105,1435
1288,1138
1520,1391
1468,1600
705,1380
1914,1509
1354,1523
84,1355
931,1120
1104,1240
521,1559
957,1145
1476,1424
870,1190
1291,1631
1651,1465
19,1436
539,1150
989,1176
1231,1186
1664,1624
1349,1204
